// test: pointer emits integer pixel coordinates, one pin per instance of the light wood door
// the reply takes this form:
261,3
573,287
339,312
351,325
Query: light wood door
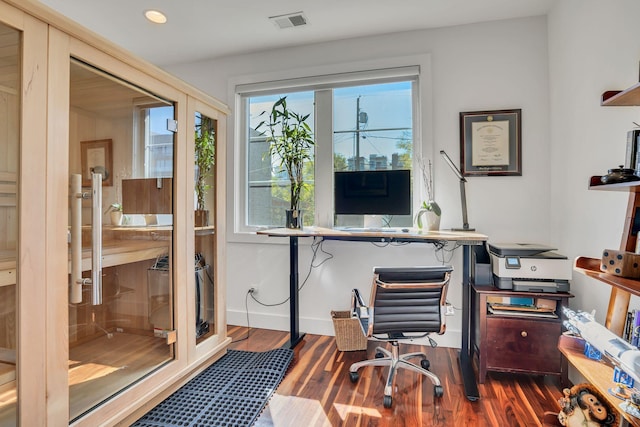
10,112
209,195
120,313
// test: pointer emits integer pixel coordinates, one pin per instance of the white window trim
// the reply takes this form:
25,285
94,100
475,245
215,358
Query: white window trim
275,82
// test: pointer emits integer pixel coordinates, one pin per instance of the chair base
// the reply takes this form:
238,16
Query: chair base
395,361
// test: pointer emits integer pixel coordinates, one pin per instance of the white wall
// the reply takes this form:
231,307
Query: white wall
594,46
496,65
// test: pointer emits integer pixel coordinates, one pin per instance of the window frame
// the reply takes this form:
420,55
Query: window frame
416,68
141,158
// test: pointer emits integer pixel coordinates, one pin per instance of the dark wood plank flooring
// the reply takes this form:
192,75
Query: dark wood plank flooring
317,391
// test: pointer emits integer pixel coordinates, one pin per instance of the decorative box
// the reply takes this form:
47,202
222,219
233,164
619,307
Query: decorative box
621,263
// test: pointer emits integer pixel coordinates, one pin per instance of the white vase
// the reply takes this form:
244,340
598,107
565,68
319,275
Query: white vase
116,218
433,221
428,219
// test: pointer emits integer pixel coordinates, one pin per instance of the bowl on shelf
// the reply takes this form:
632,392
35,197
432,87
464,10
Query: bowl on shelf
618,175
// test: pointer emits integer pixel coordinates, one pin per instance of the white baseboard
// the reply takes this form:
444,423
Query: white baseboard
451,339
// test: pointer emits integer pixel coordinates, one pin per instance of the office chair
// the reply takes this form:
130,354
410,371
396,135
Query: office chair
406,303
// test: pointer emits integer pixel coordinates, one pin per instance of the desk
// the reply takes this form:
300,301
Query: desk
466,239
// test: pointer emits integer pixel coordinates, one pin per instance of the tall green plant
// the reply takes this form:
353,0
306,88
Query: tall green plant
205,153
291,141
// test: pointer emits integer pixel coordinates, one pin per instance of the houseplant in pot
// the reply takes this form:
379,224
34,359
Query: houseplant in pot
429,208
205,152
291,144
115,211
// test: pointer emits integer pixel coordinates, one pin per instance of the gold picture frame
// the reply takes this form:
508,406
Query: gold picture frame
491,143
96,155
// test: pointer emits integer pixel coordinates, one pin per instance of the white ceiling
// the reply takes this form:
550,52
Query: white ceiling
201,29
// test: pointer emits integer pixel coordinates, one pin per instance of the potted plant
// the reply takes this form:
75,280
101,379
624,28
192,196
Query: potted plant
429,208
115,211
205,152
291,142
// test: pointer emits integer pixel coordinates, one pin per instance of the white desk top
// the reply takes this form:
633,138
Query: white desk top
412,233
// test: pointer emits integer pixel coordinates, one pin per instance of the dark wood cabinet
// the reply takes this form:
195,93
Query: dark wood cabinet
517,342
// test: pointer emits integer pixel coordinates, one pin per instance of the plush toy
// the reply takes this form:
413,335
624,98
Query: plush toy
584,406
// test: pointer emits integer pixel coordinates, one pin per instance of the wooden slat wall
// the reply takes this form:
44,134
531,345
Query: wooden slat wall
142,196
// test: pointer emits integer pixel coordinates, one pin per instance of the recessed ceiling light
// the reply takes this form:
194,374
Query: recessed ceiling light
155,16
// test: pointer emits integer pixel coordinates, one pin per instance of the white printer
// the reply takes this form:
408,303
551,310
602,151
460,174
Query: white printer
529,267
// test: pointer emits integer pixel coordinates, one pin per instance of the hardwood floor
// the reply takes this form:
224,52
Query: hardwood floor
317,391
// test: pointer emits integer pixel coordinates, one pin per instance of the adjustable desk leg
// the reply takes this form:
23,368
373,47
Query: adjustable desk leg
466,366
294,312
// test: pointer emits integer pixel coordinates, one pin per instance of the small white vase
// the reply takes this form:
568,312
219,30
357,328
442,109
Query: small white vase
116,218
432,222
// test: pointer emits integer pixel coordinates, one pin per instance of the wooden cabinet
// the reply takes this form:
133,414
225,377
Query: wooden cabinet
75,361
517,343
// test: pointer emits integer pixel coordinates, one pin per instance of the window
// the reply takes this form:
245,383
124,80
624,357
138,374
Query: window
361,121
153,156
268,187
372,130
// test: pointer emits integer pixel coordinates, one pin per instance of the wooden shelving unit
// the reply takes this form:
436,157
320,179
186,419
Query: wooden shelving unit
600,373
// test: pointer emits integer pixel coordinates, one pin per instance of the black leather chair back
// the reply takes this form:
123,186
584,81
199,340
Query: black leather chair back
409,300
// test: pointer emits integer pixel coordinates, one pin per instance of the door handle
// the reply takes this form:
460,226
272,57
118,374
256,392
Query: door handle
96,238
76,238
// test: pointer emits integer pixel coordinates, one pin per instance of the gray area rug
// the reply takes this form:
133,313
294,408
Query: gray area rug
231,392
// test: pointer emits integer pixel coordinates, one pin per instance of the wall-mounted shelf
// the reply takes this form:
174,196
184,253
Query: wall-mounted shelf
591,268
621,98
596,184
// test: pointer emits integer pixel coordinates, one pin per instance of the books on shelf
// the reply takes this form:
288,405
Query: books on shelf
631,331
522,307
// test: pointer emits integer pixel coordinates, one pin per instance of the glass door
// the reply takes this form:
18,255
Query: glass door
121,159
205,172
10,72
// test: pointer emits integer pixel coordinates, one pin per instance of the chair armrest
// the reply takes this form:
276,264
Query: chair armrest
358,307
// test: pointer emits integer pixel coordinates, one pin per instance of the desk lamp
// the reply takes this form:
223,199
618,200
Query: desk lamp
463,195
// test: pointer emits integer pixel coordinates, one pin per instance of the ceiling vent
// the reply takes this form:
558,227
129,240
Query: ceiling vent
289,20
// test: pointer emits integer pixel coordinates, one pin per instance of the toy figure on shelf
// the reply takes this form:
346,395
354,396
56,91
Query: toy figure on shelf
632,405
582,405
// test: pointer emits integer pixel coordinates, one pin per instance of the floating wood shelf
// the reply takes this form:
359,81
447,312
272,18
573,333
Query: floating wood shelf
596,184
621,98
591,268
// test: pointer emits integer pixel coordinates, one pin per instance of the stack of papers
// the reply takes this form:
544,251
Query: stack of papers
522,307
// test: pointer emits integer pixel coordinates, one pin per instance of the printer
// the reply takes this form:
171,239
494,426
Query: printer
529,267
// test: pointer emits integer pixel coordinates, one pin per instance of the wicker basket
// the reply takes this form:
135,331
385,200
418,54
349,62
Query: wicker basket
349,336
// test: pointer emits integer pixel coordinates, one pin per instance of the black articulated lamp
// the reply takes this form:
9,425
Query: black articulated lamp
463,195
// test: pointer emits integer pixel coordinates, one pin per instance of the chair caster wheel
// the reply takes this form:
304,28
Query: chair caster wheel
379,355
354,377
387,402
438,391
425,364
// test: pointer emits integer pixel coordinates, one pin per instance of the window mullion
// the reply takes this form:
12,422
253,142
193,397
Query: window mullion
324,157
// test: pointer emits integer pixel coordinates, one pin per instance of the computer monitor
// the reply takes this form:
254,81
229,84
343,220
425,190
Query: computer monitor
376,192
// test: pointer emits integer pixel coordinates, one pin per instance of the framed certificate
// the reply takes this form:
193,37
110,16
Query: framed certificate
96,157
490,143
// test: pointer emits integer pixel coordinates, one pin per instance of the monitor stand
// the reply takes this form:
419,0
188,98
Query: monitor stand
373,221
